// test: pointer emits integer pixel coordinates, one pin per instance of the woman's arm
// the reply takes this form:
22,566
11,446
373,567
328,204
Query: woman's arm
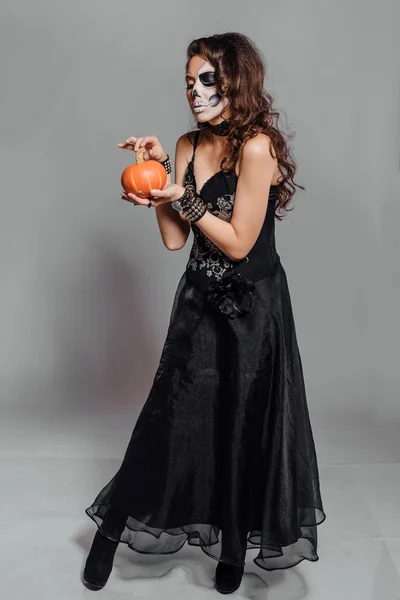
173,228
237,237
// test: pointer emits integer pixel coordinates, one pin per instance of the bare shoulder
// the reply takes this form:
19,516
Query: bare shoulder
258,146
258,149
185,143
187,139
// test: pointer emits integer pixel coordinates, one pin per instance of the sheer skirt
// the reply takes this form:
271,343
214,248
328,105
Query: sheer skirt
222,455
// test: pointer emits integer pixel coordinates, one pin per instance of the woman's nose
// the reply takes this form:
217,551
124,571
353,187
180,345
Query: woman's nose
195,93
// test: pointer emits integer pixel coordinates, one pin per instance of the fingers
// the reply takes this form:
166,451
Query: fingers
131,143
134,143
134,199
160,193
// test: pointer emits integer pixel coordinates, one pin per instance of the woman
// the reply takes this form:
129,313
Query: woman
222,455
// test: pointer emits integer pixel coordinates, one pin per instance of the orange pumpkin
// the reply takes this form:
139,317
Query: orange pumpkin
143,176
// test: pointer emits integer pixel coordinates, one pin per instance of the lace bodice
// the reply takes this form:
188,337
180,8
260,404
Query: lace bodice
206,261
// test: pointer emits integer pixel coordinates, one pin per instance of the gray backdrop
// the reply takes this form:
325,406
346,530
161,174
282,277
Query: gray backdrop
87,286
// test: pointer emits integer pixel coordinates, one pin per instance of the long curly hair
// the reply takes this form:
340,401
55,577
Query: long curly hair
239,75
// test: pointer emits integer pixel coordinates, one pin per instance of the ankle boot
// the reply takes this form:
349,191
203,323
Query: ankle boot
99,562
228,577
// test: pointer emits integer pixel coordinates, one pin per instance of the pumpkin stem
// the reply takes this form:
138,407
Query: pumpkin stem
139,155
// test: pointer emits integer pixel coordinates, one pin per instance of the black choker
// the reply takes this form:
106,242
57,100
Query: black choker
220,129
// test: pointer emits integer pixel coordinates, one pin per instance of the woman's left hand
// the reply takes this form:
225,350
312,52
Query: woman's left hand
170,193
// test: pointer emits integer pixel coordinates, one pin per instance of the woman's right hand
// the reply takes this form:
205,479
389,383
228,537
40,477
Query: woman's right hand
151,144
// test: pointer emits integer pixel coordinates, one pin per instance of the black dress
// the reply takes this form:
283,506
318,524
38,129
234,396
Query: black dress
222,455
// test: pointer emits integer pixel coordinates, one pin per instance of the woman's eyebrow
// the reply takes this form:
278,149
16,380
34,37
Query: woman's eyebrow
189,77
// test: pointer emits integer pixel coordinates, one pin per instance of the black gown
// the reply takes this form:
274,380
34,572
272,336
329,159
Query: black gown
222,455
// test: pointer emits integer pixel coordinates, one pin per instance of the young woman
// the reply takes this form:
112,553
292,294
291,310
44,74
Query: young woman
222,455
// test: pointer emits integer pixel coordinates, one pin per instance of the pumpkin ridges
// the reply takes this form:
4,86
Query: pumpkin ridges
140,178
148,181
140,183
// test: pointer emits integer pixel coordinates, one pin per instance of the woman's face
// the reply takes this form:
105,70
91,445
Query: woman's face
204,100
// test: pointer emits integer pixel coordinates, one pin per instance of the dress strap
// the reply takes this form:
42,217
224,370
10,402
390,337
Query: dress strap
196,141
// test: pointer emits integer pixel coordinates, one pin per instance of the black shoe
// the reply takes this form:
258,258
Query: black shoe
228,578
99,562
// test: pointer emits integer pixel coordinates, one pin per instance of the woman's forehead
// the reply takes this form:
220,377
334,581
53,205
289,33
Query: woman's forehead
198,65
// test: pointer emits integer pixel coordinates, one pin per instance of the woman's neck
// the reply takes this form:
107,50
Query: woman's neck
218,142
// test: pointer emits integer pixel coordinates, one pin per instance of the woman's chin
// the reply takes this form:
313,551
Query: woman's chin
201,118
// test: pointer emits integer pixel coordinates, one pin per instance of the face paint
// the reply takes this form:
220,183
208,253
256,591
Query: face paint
206,103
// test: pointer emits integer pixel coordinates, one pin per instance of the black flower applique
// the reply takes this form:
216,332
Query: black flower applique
232,294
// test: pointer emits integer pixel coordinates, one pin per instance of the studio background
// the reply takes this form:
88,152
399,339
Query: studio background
87,285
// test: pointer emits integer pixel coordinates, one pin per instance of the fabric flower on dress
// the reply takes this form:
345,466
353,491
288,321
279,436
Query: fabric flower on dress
232,294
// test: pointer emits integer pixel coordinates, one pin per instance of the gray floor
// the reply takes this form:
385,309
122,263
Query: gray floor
53,464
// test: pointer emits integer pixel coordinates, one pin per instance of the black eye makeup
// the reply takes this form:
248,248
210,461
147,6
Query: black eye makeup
208,78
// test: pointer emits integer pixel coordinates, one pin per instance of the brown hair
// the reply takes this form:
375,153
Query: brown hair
239,73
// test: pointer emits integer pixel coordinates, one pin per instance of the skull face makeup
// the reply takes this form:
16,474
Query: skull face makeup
206,103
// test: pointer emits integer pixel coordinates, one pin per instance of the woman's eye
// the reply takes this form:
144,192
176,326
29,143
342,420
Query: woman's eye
208,79
189,86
